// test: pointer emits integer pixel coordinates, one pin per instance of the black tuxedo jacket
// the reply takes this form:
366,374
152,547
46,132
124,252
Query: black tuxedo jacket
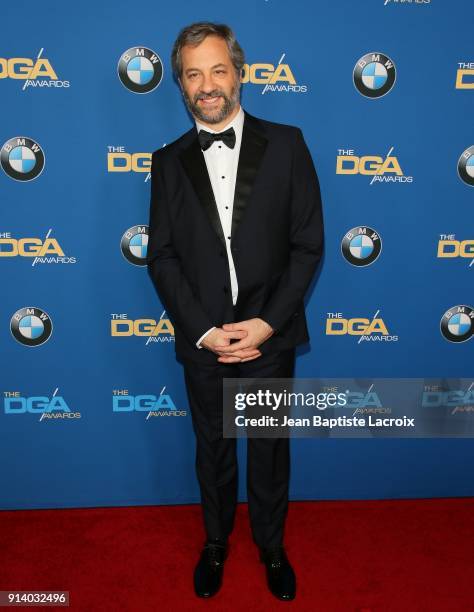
276,238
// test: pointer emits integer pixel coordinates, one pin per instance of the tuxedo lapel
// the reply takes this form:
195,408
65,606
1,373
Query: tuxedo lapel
194,164
252,149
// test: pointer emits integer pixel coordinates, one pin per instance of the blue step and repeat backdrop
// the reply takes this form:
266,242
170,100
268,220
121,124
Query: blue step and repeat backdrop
93,405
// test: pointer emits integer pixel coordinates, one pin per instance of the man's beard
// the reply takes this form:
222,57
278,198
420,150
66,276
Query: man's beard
230,102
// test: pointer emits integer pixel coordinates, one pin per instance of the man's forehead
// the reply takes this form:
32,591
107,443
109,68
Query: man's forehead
211,50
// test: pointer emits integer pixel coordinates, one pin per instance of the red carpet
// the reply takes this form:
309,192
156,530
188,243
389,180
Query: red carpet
361,556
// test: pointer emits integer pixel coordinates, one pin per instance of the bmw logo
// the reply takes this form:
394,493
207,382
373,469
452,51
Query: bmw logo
134,244
466,166
22,159
31,326
140,70
374,75
361,246
457,323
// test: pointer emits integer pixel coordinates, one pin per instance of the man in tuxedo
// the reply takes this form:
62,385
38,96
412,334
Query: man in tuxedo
235,237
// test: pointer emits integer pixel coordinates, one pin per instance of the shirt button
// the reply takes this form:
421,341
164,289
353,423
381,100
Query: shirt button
222,176
228,237
227,207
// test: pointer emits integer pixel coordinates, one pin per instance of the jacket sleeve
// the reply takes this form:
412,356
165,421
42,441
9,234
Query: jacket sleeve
306,239
164,266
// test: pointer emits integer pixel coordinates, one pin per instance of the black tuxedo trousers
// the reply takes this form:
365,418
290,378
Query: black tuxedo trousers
268,459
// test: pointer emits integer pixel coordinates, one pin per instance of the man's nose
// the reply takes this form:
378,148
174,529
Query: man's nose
207,85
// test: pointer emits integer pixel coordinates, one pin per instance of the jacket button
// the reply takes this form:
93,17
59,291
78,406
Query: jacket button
225,290
221,253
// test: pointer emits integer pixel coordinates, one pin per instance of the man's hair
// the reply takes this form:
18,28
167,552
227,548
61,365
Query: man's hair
195,33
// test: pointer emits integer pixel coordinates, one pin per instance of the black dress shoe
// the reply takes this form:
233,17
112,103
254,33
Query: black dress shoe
208,571
281,578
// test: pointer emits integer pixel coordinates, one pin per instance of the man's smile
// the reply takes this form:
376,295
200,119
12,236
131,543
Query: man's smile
209,101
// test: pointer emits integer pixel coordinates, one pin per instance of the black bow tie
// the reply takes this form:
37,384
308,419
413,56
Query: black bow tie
207,138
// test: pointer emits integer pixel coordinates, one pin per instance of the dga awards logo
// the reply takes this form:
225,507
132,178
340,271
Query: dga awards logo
457,400
140,70
279,78
465,75
161,405
161,331
451,248
41,251
52,408
374,75
382,169
31,326
361,246
37,72
134,245
118,160
22,158
466,166
367,330
457,323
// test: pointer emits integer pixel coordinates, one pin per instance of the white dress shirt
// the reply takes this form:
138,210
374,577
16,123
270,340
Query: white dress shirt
221,162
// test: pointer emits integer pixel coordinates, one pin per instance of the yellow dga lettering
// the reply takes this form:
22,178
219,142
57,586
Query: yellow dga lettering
265,71
244,74
336,327
377,326
467,248
111,165
391,165
29,247
141,162
43,68
369,164
3,68
444,249
283,73
117,324
24,65
357,327
163,326
51,246
343,161
461,73
143,327
6,253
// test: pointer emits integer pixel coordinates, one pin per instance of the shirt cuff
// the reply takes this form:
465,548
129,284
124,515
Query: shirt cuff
203,336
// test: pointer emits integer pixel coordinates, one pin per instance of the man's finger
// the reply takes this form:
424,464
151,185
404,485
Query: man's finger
231,326
241,355
234,346
237,333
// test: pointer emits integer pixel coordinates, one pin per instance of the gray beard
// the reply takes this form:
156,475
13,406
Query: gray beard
229,104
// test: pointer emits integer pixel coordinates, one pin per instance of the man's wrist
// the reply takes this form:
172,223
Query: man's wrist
199,342
272,329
